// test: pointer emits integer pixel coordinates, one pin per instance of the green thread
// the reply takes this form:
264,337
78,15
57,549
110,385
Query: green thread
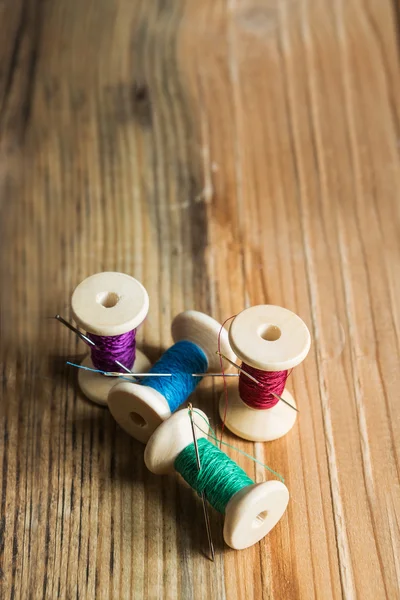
219,477
214,437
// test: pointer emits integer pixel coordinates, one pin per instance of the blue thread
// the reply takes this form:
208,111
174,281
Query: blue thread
181,360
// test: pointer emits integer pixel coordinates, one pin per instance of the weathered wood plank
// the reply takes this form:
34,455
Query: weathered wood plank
225,153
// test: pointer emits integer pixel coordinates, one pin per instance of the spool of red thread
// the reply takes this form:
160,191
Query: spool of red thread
270,341
264,394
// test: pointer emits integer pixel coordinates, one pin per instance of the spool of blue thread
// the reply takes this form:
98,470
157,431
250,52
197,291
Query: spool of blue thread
140,408
181,360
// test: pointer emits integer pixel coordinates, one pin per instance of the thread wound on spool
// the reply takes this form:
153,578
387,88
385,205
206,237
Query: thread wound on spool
219,478
181,360
261,395
109,349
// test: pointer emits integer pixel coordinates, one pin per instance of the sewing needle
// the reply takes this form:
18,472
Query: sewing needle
280,398
203,498
237,367
83,337
86,339
215,374
123,367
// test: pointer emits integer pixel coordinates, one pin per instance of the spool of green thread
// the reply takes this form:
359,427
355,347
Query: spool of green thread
251,509
220,477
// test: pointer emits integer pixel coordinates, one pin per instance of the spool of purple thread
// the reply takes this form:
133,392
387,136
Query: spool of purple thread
112,351
109,307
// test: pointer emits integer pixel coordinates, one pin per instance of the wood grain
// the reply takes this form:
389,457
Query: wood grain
226,153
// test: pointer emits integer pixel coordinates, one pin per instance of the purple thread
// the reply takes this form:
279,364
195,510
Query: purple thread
111,348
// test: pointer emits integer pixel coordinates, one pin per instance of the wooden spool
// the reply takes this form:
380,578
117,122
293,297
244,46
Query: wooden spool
108,304
251,513
139,409
269,338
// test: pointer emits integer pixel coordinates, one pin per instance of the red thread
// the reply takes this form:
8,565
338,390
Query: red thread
223,377
261,395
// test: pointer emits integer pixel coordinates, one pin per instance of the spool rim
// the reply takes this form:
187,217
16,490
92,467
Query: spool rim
253,512
254,424
171,437
97,393
202,330
109,303
138,409
248,337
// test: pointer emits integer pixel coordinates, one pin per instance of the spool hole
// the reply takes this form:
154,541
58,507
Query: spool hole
270,333
137,419
260,518
107,299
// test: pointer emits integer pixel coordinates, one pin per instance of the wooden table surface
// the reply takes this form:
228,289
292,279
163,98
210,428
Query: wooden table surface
226,153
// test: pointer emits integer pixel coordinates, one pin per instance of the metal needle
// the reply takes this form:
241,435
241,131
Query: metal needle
86,339
83,337
285,401
215,374
116,374
237,367
123,367
203,498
